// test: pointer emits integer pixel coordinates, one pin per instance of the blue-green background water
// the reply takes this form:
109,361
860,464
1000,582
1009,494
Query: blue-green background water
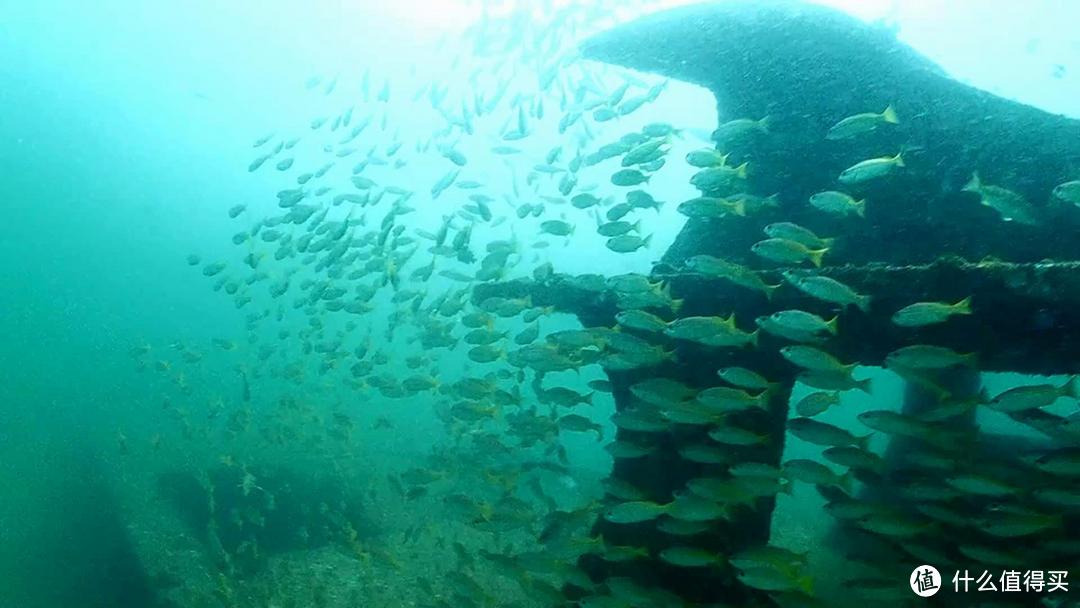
125,132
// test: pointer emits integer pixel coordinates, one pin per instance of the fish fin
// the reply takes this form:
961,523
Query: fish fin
889,115
816,255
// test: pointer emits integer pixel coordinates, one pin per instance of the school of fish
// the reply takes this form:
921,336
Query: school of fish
345,293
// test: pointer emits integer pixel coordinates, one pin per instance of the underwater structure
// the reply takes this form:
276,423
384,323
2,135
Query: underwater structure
925,238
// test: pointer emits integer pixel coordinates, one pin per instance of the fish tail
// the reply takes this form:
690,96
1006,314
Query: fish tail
847,483
770,290
899,159
764,123
646,241
665,288
863,385
863,302
889,115
860,208
816,255
831,324
1070,388
963,307
672,355
864,441
762,401
676,306
740,171
973,184
739,208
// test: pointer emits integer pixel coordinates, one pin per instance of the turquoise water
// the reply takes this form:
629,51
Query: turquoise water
171,438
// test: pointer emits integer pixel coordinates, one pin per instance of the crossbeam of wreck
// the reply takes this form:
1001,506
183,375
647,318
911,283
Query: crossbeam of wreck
1025,318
